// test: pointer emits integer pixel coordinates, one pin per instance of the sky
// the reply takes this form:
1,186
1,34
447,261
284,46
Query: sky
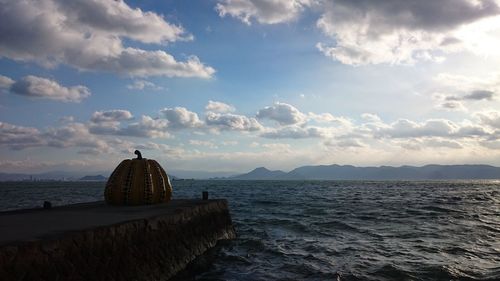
230,85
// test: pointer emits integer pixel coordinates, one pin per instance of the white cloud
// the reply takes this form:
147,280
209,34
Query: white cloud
489,118
404,128
67,119
425,144
344,143
38,87
120,19
143,85
296,132
329,118
219,107
88,35
231,122
284,147
227,143
181,118
283,113
146,127
5,82
371,118
263,11
108,122
386,31
467,83
141,63
208,144
397,32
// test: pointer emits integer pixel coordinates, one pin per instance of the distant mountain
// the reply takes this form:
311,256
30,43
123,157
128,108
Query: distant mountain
47,176
14,177
261,173
347,172
94,178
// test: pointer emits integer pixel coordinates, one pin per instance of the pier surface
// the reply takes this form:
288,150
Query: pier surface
95,241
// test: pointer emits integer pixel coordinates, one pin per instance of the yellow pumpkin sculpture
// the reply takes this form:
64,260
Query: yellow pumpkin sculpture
138,181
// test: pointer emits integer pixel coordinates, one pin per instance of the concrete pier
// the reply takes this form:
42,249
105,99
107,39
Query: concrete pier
95,241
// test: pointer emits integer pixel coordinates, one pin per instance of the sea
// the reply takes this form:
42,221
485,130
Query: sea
332,230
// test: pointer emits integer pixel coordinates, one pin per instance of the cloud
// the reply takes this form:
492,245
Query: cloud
142,85
146,127
453,106
5,82
219,107
67,119
371,118
468,88
454,92
74,135
416,144
38,87
141,63
208,144
396,32
111,116
283,147
480,95
265,12
296,132
69,135
108,122
120,19
489,118
231,122
404,128
474,95
19,137
181,118
329,118
386,31
88,35
283,113
344,143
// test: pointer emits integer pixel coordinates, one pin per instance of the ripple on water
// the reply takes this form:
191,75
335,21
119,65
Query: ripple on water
334,230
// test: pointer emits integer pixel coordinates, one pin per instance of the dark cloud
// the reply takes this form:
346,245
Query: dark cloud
427,15
480,95
474,95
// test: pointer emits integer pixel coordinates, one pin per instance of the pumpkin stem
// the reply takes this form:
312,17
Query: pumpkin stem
138,153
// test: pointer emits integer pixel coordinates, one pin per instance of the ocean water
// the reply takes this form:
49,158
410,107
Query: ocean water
333,230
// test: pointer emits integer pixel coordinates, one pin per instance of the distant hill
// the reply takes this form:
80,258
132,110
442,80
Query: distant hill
347,172
261,173
47,176
94,178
